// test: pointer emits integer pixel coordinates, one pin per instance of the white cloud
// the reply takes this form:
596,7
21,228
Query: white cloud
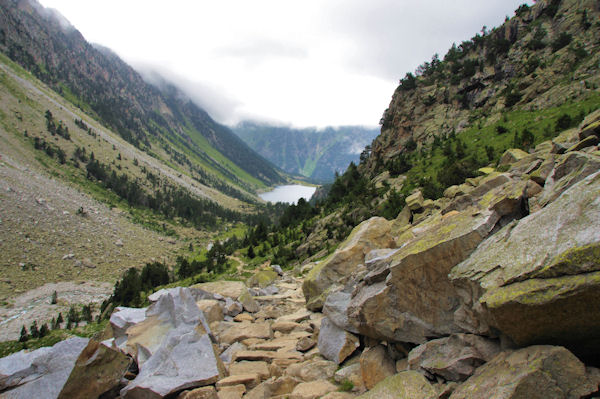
308,63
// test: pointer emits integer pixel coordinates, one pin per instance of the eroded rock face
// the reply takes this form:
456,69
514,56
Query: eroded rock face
336,270
535,278
334,343
454,358
41,373
412,299
533,372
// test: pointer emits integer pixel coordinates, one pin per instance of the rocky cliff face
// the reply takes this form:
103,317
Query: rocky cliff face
540,58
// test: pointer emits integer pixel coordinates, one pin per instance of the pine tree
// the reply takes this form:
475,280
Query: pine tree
44,330
34,330
24,335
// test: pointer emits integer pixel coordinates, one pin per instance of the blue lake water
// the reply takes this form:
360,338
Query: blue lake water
290,193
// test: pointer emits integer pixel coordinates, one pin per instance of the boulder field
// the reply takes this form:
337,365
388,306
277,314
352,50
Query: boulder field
488,292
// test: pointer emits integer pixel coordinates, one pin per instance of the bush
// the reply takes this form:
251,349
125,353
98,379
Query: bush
561,41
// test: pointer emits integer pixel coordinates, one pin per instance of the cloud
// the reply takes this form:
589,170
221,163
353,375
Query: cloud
212,98
262,50
308,63
390,37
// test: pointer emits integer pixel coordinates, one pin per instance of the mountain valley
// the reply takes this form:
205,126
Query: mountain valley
455,255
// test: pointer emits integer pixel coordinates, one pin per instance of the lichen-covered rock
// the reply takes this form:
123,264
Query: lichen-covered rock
334,343
97,370
413,300
590,125
408,384
569,169
41,373
370,234
350,373
454,358
376,365
414,202
533,372
511,156
535,278
262,278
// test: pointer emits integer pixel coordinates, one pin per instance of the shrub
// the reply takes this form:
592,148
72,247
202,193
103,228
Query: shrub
561,41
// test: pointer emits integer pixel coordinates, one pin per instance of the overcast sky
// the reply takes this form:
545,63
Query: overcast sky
299,62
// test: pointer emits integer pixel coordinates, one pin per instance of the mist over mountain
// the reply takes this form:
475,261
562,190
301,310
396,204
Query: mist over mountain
313,153
99,82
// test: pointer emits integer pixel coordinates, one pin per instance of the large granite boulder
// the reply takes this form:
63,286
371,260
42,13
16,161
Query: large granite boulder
121,319
174,311
337,269
408,384
334,343
534,372
183,361
41,373
262,279
535,279
453,358
173,348
98,369
409,297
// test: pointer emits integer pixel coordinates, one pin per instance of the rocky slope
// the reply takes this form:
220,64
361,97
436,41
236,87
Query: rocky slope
540,58
485,292
317,154
99,82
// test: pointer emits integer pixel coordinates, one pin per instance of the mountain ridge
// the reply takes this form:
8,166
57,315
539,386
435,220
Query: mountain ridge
99,82
314,153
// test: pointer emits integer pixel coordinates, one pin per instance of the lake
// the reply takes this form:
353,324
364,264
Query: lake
289,193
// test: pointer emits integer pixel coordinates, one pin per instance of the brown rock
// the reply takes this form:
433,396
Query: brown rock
245,367
305,344
212,309
243,317
313,369
376,365
249,380
231,392
534,372
98,369
284,326
199,393
454,358
408,384
242,331
312,390
350,373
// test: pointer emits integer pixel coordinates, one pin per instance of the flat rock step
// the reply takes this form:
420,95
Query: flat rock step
249,380
246,367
